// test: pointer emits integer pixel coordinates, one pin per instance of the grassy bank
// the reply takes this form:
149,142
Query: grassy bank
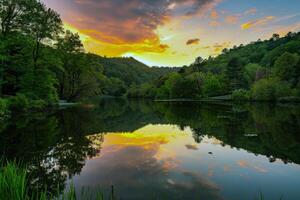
14,185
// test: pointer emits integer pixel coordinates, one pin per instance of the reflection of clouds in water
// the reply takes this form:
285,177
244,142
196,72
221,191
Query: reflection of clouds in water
245,164
191,146
137,172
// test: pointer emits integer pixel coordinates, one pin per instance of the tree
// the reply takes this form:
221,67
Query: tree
287,67
69,45
233,73
252,73
42,24
11,13
270,89
275,37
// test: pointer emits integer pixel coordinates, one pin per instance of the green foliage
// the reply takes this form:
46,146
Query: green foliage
240,95
270,90
13,182
19,103
4,108
270,69
287,68
213,85
233,73
39,85
253,73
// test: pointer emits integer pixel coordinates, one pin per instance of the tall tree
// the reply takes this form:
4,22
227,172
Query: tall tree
68,45
43,24
287,68
233,73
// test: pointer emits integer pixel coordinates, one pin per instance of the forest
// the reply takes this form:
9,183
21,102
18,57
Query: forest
41,63
266,70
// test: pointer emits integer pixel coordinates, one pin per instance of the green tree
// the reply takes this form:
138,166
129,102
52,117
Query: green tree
234,73
270,89
252,73
42,24
287,68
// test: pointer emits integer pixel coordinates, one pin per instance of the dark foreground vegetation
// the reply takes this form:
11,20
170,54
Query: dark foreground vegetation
41,63
14,185
260,71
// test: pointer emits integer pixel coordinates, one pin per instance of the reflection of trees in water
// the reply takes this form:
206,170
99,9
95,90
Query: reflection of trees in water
55,147
271,130
49,146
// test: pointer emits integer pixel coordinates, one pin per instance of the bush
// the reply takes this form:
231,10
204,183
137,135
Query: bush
18,103
4,108
240,95
270,90
38,104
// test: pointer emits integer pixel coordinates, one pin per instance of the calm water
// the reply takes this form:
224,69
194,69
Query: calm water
156,150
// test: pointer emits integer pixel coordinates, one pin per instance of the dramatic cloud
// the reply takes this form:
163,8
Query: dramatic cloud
256,23
119,26
118,21
193,41
199,7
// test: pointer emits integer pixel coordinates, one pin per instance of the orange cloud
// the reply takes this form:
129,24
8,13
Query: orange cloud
233,19
193,41
214,14
245,164
256,23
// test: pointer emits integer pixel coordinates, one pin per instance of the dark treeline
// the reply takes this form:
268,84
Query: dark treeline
42,63
263,70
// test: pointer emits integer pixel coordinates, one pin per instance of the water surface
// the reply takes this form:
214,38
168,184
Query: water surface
161,150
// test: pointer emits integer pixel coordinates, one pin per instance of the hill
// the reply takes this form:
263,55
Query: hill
261,71
131,71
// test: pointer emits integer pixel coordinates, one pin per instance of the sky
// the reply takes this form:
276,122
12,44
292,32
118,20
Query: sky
174,32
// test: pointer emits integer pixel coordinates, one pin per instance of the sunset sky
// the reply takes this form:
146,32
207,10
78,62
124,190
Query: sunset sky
174,32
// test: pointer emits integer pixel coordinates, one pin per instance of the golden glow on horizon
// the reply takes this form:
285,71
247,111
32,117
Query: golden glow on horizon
169,47
157,33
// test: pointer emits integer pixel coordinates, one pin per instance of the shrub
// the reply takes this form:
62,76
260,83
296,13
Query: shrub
270,90
240,95
38,104
19,103
4,108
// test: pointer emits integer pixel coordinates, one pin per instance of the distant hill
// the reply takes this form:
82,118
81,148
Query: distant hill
131,71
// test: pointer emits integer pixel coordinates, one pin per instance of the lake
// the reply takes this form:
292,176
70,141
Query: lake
161,150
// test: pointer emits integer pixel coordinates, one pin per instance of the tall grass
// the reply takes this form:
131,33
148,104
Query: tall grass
14,186
13,183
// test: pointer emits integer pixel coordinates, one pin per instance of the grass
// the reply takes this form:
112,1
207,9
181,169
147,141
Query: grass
14,186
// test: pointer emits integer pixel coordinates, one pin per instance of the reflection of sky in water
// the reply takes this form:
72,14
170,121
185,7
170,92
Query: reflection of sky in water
162,161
